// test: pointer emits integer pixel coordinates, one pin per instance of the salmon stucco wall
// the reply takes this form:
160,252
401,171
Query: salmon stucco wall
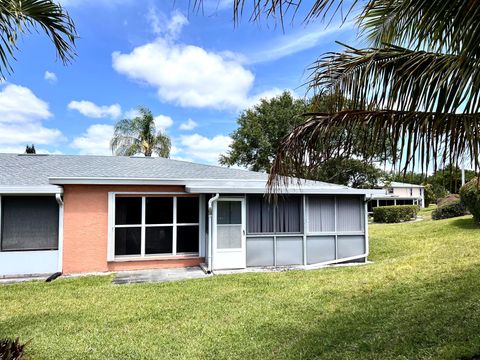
85,230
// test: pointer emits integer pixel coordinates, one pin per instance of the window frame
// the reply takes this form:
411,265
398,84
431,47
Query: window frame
143,226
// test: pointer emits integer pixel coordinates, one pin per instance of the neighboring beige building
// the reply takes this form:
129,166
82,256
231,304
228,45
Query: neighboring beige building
398,193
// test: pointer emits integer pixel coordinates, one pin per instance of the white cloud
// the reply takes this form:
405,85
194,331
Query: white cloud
21,119
187,75
51,77
163,122
297,42
188,125
153,18
92,110
203,149
176,23
161,25
19,104
132,113
94,141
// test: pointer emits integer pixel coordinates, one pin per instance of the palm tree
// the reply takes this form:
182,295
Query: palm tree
24,16
138,135
416,84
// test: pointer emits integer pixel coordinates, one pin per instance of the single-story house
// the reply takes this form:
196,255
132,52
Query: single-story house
87,214
398,193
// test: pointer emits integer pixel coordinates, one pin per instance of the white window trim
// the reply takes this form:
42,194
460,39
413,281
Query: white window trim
111,228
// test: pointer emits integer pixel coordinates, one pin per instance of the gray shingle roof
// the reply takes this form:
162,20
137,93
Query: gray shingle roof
20,170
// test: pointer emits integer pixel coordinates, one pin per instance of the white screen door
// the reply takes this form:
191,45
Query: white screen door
230,230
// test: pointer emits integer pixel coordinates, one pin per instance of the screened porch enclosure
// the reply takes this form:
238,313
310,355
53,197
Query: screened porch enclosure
29,235
250,231
305,230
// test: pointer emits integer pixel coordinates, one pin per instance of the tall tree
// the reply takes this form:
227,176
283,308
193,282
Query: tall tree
139,136
262,127
19,17
417,85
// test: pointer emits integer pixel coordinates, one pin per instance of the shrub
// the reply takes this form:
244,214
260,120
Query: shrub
395,214
11,349
451,198
470,197
449,210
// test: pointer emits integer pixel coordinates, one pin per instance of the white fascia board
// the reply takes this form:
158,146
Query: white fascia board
394,197
30,190
263,190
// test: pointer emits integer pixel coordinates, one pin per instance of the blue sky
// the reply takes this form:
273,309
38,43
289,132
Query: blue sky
195,71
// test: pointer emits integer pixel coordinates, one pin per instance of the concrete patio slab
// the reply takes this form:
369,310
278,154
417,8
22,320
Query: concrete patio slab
158,275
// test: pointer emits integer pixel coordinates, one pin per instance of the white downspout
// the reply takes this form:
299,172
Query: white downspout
59,199
210,231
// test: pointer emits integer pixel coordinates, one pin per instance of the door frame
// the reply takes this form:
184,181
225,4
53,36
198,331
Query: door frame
243,248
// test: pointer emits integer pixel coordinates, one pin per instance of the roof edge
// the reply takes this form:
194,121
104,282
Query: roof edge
29,189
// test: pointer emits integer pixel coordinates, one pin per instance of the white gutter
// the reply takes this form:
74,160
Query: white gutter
210,231
42,189
262,190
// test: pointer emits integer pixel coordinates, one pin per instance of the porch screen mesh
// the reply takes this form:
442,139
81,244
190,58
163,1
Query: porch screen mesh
288,215
29,223
287,212
260,215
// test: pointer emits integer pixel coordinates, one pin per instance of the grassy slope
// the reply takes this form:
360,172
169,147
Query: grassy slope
419,299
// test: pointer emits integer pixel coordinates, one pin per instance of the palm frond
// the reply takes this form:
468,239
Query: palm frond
422,139
162,145
20,17
279,10
432,25
393,77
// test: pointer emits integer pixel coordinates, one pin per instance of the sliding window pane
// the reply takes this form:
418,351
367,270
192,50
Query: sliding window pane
159,210
159,240
128,210
128,241
187,210
187,239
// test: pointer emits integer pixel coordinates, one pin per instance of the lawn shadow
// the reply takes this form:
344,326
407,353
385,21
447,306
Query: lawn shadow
466,223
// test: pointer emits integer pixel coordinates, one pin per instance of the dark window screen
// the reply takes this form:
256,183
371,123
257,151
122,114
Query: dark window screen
29,223
159,240
159,210
187,210
128,241
187,238
128,211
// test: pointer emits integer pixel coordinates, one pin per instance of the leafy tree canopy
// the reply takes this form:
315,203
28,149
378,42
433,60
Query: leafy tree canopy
262,128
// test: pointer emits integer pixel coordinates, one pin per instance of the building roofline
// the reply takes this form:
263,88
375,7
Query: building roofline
31,190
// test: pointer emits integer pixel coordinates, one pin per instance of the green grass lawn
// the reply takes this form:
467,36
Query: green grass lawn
419,299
